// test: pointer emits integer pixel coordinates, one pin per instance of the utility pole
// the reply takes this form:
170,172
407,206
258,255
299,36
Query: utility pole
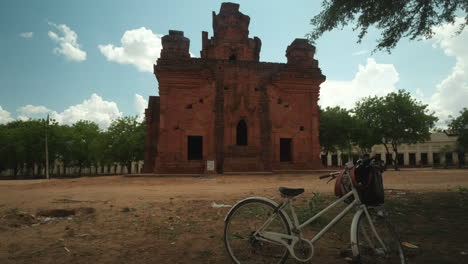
47,149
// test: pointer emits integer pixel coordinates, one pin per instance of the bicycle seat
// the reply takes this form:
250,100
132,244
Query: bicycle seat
291,192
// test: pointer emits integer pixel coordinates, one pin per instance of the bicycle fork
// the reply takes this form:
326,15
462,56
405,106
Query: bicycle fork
354,231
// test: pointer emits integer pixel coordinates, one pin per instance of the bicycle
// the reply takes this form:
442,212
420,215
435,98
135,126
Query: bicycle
258,230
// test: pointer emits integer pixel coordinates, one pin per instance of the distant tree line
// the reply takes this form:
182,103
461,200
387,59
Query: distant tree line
81,145
389,120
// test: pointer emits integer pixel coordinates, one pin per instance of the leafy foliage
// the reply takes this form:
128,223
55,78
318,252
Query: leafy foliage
396,119
336,126
127,138
459,126
22,144
396,18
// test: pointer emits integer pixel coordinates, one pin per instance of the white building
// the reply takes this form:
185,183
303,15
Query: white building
438,151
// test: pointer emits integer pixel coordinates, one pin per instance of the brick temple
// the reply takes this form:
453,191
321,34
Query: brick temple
227,111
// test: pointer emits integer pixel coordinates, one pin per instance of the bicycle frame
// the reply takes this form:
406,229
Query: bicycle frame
290,240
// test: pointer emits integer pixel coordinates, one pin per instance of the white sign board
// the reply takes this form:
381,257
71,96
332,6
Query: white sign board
210,165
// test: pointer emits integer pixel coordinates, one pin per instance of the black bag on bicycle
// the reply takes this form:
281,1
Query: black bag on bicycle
369,183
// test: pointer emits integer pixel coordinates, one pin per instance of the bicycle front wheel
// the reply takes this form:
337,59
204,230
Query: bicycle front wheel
243,221
370,248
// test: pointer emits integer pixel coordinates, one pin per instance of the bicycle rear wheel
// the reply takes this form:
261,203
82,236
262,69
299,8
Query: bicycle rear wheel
241,223
369,247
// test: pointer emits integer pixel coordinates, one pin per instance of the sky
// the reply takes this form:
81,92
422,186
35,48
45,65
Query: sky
93,60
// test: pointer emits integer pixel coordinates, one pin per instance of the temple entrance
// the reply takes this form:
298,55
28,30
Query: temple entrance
241,135
195,147
285,149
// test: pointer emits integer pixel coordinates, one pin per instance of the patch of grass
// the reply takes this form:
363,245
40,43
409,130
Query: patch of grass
463,190
313,206
436,222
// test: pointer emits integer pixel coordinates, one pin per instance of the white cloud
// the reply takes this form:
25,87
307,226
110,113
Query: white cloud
26,35
361,52
451,94
67,41
33,109
23,118
93,109
5,116
370,80
140,105
140,48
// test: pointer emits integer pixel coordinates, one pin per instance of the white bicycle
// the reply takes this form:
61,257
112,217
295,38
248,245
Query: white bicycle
258,230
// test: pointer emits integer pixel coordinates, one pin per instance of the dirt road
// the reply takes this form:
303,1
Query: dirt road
126,191
153,219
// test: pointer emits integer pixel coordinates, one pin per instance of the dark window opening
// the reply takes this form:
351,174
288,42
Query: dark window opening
436,158
401,159
195,147
388,159
241,136
448,158
378,157
324,160
412,159
301,128
424,158
285,149
335,160
233,57
344,159
461,158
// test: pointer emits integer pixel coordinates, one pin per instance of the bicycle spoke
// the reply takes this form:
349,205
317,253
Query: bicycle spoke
370,248
241,225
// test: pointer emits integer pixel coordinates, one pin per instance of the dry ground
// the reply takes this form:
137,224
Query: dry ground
171,220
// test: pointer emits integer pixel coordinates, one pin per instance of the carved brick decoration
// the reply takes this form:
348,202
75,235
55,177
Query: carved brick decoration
207,98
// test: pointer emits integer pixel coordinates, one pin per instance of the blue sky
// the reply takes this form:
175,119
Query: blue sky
72,60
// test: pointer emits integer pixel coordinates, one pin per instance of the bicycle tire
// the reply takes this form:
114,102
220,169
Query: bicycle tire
370,249
244,219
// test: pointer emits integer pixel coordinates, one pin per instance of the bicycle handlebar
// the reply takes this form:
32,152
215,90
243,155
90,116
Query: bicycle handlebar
331,174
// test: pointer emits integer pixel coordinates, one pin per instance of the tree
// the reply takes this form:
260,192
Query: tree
363,136
64,143
336,128
100,150
4,140
459,126
396,18
23,146
82,137
127,141
396,118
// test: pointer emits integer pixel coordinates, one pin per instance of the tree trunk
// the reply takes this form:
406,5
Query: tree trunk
388,152
15,171
395,163
326,159
129,167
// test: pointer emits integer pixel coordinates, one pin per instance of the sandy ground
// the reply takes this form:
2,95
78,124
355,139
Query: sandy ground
126,190
155,219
